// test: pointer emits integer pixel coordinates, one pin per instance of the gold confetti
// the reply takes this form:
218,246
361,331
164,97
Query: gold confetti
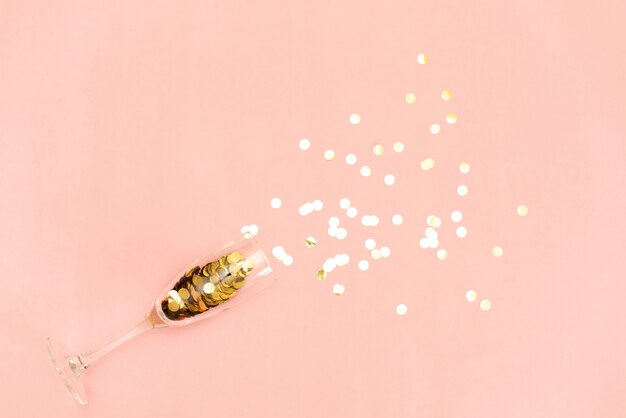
451,118
401,309
522,210
427,164
378,150
321,274
355,119
446,95
422,58
497,251
435,128
409,98
471,295
338,289
329,155
464,167
485,305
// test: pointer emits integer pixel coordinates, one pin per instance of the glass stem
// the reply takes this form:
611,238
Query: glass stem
86,359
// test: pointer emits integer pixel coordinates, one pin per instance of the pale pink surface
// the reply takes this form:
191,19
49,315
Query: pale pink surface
123,126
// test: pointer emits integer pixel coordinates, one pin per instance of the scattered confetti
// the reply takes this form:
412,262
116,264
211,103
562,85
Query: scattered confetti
306,209
351,159
398,146
355,119
442,254
522,210
318,205
397,219
435,128
451,118
375,254
464,167
287,260
462,190
320,274
385,252
424,243
366,171
338,289
461,232
422,58
471,295
485,305
389,179
401,309
342,233
250,230
378,150
427,164
370,220
278,252
370,244
446,95
409,98
333,221
363,265
434,221
276,203
351,212
497,251
342,259
329,155
304,144
329,265
310,242
344,203
332,231
456,216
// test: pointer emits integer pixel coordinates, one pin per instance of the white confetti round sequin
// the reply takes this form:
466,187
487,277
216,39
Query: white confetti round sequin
497,251
446,95
354,118
351,159
253,230
464,167
375,254
461,232
352,212
329,154
306,209
422,58
363,265
401,309
409,98
442,254
433,242
431,232
338,289
342,233
485,305
424,243
456,216
278,252
427,164
451,118
318,205
378,150
333,221
276,203
397,219
522,210
332,231
462,190
287,260
385,252
435,129
471,295
370,244
389,179
344,203
342,259
329,265
398,146
366,171
304,144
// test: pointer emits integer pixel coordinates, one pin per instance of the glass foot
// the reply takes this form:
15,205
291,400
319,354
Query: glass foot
69,368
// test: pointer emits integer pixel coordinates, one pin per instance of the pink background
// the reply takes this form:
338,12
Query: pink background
138,135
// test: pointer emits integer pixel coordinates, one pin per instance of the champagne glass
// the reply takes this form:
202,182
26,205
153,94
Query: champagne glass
212,283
